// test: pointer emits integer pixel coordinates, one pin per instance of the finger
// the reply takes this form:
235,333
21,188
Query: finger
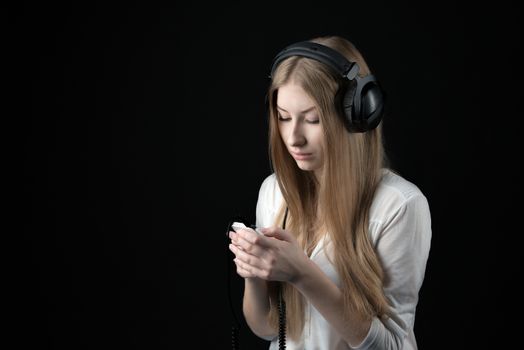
234,248
246,258
250,270
242,272
277,232
247,246
254,238
263,253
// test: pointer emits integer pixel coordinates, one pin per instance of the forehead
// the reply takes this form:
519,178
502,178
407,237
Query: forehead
293,98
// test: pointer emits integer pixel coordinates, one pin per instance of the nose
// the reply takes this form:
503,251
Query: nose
296,136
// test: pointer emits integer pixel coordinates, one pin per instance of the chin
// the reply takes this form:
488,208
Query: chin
306,167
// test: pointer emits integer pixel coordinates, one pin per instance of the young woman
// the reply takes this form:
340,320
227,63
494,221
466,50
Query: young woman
351,259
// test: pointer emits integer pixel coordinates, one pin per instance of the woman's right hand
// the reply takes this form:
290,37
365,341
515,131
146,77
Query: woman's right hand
273,256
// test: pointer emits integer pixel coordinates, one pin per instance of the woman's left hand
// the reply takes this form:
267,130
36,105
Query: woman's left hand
273,256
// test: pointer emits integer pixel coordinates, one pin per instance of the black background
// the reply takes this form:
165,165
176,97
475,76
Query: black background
142,130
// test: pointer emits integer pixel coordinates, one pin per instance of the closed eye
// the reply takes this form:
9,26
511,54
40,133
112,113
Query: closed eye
310,121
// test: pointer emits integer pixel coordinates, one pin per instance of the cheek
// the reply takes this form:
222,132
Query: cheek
283,132
318,139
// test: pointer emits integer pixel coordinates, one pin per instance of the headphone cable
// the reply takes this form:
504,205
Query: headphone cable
235,328
282,306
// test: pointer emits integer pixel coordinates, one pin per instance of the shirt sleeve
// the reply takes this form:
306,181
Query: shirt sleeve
403,246
268,199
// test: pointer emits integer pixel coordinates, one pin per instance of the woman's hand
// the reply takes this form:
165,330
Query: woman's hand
273,256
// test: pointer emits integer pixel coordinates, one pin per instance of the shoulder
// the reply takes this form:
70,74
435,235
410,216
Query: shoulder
394,194
269,185
269,201
269,191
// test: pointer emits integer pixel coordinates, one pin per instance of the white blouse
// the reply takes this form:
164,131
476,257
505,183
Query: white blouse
400,229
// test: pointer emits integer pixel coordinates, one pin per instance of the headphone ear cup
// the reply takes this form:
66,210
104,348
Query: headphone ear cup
371,105
364,105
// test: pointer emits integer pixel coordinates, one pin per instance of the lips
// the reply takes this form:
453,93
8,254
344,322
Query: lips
301,156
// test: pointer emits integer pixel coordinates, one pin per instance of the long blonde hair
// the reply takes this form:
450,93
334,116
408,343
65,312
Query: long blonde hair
339,204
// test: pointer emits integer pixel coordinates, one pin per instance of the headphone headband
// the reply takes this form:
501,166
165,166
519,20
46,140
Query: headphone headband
324,54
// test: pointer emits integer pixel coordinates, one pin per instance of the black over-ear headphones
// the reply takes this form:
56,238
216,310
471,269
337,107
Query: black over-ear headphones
362,99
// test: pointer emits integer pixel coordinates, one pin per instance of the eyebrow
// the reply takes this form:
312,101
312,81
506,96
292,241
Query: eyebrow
303,112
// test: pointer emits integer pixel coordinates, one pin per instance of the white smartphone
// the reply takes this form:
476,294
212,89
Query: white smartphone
238,225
